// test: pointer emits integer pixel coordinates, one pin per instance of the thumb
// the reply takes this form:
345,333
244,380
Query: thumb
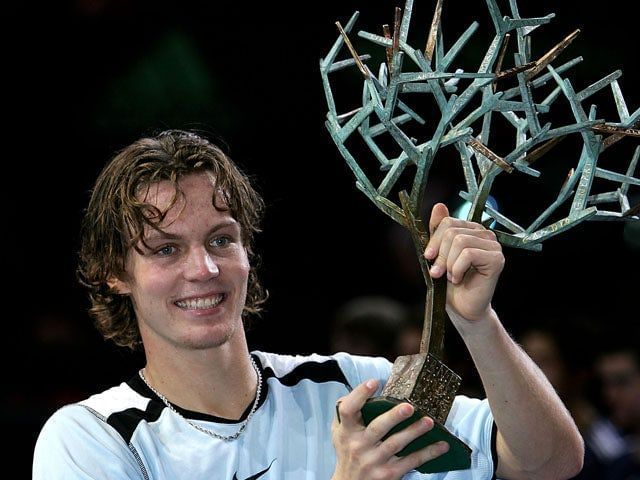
438,212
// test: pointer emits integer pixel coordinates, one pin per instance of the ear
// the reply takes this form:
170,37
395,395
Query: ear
118,285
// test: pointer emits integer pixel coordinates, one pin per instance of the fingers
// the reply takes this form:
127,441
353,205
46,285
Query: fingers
396,442
449,239
484,260
386,452
416,459
438,212
439,249
348,407
371,451
471,257
462,249
382,424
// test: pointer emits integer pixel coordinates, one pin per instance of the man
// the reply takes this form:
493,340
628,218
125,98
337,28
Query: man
166,254
616,438
368,325
606,453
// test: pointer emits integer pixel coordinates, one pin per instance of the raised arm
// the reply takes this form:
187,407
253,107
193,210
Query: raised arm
537,438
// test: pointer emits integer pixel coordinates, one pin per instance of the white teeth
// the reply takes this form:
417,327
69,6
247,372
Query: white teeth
200,303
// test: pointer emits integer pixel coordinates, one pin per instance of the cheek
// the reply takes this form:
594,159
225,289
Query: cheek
153,282
242,278
243,272
244,265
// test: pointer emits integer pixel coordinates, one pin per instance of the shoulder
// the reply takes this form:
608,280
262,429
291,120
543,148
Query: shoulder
97,410
114,400
97,430
72,423
76,437
340,367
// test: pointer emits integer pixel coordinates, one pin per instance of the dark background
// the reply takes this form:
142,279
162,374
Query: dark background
86,78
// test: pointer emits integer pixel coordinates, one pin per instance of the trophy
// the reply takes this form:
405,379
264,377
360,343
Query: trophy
466,106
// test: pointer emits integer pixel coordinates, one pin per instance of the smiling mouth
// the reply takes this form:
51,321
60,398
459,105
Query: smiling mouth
201,303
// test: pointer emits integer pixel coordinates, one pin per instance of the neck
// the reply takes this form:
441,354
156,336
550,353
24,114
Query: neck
220,381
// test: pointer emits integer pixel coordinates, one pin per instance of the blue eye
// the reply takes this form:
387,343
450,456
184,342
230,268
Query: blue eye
165,251
222,241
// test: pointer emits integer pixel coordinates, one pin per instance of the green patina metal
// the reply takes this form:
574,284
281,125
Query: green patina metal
384,111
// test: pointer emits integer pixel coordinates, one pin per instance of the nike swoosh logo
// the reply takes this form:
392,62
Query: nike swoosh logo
257,475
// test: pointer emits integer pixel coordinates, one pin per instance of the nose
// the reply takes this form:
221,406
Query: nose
200,265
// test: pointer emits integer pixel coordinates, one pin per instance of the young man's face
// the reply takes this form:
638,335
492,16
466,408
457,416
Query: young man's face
189,285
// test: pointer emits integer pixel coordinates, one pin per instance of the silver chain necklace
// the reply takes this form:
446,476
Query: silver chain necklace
202,429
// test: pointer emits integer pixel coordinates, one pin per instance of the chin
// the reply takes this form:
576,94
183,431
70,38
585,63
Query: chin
212,338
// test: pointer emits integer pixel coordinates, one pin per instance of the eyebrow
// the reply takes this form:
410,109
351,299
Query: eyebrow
155,235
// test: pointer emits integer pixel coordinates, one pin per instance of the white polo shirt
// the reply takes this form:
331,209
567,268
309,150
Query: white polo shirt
127,432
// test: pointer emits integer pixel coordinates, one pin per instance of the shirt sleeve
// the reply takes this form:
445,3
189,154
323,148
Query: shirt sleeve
470,420
358,369
76,444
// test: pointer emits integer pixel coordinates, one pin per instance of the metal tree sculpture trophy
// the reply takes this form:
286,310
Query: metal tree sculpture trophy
385,116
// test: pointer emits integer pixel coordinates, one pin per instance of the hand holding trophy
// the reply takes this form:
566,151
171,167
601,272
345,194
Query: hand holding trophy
466,105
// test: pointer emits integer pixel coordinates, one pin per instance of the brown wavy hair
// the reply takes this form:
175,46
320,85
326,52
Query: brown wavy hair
116,217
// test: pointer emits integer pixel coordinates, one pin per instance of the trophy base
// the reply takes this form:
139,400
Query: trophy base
457,458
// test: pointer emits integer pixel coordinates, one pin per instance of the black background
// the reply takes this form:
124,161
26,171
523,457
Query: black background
87,78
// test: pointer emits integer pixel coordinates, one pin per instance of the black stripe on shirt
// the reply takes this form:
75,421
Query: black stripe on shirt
494,450
126,421
318,372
